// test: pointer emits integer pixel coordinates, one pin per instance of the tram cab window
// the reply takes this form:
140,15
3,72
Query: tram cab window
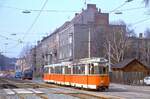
96,68
103,69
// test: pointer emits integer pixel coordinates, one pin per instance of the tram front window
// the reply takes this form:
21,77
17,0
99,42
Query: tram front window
96,68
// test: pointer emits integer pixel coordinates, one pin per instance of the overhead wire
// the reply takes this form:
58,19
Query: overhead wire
31,26
130,9
37,10
54,10
35,20
29,29
141,21
7,38
118,7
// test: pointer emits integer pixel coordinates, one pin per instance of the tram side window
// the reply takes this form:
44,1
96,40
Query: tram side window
46,70
75,69
51,70
79,69
58,70
91,68
82,71
67,70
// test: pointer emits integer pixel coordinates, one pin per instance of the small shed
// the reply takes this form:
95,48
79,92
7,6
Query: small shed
129,71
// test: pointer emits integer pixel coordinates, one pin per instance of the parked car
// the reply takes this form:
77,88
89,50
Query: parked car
147,80
1,74
18,74
27,74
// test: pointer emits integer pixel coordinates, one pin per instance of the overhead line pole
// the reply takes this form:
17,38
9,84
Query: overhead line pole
89,43
109,57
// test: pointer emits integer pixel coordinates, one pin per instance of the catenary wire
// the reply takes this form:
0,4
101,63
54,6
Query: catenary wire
31,26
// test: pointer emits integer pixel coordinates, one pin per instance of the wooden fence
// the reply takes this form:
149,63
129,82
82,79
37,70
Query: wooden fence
132,78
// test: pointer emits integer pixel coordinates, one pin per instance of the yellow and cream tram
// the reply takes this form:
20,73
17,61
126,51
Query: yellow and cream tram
90,73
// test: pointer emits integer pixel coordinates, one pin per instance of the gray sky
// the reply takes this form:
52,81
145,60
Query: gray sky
13,21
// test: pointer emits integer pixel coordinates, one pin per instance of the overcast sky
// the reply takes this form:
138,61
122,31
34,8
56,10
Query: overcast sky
13,21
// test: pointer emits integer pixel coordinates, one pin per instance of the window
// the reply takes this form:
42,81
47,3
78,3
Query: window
70,52
70,39
46,70
79,69
91,67
58,70
51,70
67,70
96,68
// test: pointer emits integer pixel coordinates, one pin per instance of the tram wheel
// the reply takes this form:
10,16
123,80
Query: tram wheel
102,89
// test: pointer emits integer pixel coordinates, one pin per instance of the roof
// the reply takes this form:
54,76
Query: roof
125,62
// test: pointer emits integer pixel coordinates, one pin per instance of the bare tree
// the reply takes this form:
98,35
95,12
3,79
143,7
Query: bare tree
118,40
118,44
26,55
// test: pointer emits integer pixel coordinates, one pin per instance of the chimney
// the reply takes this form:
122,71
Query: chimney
91,6
38,42
140,35
99,10
76,14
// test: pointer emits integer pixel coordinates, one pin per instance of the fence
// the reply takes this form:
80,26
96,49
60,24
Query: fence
132,78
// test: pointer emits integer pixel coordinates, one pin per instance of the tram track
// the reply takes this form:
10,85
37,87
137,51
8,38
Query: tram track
81,94
5,84
14,83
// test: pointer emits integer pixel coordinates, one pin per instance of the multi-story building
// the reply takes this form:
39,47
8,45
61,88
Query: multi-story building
21,65
139,48
81,37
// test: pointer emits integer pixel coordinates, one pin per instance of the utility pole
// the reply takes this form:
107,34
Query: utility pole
89,43
109,57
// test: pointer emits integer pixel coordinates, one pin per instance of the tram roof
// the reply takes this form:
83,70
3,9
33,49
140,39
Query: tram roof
51,65
84,60
93,59
58,64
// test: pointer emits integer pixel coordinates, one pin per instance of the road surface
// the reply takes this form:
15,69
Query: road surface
22,89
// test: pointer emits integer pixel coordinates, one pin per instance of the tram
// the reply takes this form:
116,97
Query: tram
89,73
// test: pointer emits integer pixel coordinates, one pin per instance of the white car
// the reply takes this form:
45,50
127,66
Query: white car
1,74
147,80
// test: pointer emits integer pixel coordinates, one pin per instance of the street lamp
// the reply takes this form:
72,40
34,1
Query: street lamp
26,11
128,0
13,34
118,13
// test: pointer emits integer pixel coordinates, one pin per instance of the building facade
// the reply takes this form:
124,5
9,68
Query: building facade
139,48
82,37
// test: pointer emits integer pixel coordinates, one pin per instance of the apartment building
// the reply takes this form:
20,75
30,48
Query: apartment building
81,37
